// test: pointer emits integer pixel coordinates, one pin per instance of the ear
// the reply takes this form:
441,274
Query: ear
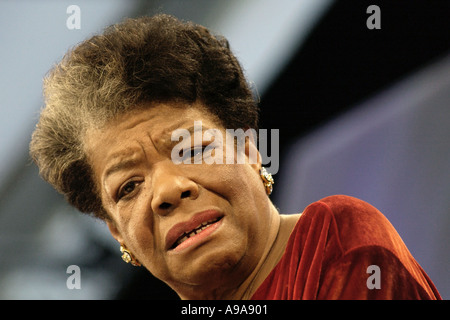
114,231
251,150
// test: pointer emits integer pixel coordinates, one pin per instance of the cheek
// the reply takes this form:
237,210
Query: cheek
242,189
147,244
144,230
138,228
249,201
226,179
240,185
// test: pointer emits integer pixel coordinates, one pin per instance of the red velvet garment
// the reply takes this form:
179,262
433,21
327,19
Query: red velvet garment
330,249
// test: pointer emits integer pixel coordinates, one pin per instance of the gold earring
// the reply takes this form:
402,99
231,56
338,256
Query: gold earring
267,180
128,257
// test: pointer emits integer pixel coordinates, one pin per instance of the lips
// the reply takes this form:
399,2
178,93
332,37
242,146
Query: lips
186,232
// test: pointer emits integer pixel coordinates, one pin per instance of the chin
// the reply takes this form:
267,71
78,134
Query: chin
215,268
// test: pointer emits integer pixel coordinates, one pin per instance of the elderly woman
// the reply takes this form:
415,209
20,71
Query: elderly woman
206,228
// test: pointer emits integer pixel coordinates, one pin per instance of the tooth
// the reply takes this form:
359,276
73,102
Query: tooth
197,230
182,239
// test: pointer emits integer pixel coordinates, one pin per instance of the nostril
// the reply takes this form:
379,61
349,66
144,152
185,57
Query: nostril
168,205
164,205
185,194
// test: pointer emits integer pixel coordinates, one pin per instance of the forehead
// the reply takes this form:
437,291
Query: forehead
121,136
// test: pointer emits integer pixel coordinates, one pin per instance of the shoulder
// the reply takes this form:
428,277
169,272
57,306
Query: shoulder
355,222
365,238
346,207
330,249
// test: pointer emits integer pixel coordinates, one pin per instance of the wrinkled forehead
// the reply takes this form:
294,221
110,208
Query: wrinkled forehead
156,124
169,116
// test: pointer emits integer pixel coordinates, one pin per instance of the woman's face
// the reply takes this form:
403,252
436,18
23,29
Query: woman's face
201,228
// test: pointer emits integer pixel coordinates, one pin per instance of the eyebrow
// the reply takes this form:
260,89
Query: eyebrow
120,166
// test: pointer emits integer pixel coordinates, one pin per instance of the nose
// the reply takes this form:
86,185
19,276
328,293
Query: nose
171,187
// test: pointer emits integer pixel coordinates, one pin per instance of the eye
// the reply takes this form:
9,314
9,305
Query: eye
127,189
196,151
193,152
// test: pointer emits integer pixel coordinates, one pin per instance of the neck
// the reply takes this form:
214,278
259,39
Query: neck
281,228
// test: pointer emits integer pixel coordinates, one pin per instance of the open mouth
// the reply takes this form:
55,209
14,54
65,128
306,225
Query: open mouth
194,232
